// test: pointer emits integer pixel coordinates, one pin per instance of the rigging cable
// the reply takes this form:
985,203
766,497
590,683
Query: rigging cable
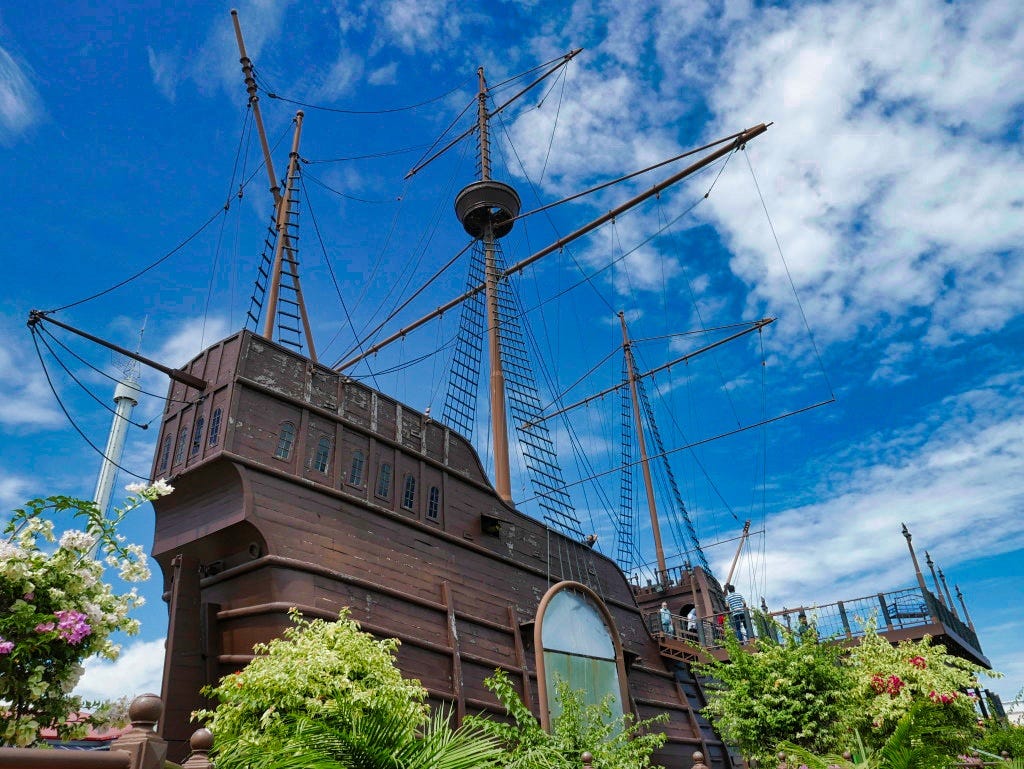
223,224
369,156
220,211
789,276
100,371
330,269
74,424
89,392
263,86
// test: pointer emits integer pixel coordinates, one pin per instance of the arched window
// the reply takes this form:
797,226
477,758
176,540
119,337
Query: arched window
384,480
215,427
323,454
409,494
576,642
285,439
197,437
355,473
165,451
179,450
434,503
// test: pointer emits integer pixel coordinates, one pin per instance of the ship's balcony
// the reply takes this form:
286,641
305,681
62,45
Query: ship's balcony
908,614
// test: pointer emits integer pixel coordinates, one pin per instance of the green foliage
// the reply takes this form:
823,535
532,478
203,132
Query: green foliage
56,609
916,741
795,689
996,738
892,680
615,743
327,672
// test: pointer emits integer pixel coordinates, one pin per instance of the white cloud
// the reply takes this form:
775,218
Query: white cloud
886,182
20,104
191,338
12,491
164,69
139,670
953,478
26,401
420,25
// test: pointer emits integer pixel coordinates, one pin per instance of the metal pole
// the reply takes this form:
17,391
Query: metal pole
644,463
963,605
931,568
126,399
917,566
942,579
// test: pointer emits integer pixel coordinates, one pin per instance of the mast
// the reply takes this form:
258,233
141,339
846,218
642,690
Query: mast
644,462
739,548
282,203
487,209
254,104
499,421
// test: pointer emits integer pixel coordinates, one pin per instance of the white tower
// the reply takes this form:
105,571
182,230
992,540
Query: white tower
125,399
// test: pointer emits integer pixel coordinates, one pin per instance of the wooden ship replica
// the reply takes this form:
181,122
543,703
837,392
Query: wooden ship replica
297,486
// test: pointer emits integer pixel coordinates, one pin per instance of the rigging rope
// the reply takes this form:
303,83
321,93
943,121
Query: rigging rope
67,414
789,276
261,83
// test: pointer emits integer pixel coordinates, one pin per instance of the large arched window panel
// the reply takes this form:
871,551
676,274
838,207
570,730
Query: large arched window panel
576,641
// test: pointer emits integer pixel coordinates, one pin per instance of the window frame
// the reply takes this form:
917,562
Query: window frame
355,476
538,644
214,433
383,486
285,441
409,492
197,437
434,504
165,451
322,457
182,445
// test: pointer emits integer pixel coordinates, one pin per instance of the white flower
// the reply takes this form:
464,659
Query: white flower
73,539
161,488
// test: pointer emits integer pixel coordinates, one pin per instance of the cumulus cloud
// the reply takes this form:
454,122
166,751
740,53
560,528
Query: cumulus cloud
890,188
139,670
952,478
21,107
26,402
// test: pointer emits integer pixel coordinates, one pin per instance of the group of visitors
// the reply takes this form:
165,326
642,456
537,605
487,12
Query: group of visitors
737,613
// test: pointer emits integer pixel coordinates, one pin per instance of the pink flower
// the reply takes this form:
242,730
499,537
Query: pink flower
6,647
919,662
29,596
45,627
895,683
72,626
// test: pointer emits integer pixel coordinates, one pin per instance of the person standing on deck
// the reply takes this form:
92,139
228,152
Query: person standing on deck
738,610
666,618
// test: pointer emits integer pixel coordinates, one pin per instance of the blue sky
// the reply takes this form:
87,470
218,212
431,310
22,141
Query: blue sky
892,178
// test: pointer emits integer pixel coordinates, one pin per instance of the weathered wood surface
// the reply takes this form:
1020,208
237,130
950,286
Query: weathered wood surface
263,533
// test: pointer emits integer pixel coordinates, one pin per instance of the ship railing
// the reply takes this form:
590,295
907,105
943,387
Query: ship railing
896,610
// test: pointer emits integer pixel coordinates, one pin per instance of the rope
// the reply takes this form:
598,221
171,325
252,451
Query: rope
789,276
74,424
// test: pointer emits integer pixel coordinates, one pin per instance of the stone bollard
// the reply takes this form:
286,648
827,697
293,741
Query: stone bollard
587,759
698,760
147,749
201,742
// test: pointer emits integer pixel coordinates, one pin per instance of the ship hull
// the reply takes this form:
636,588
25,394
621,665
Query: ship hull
267,517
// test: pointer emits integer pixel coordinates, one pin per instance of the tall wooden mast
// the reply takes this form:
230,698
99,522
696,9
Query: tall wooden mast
644,461
487,209
284,249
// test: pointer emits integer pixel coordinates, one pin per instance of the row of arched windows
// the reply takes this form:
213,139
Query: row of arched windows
197,440
356,470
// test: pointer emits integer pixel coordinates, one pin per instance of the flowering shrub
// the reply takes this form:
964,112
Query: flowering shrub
890,680
56,610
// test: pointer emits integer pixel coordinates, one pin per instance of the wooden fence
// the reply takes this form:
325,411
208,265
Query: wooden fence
139,748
